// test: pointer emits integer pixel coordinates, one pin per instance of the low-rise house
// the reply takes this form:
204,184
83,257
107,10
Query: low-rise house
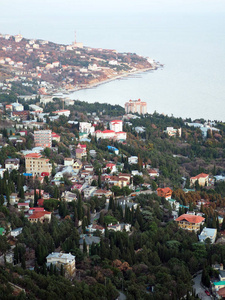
63,112
2,171
12,164
68,161
55,137
69,196
164,192
208,233
93,227
23,207
67,260
153,173
113,149
190,222
89,191
173,131
13,199
81,151
111,167
203,179
16,232
119,227
132,160
89,240
100,193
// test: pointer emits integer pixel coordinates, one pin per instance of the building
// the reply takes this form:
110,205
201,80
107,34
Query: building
173,131
63,112
164,192
203,179
40,216
136,106
55,137
67,260
132,160
89,240
116,125
81,151
36,164
208,233
12,164
190,222
43,138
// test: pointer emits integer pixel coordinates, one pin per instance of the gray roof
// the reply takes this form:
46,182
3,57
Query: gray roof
89,239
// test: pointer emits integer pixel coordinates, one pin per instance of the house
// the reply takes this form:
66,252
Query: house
100,193
111,167
93,227
119,227
208,233
173,132
81,151
23,206
67,260
203,179
16,232
190,222
55,137
89,240
41,216
153,173
217,285
164,192
77,165
89,191
13,199
132,160
12,164
68,161
116,125
113,149
69,196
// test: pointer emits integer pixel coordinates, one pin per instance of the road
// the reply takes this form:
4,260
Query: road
200,291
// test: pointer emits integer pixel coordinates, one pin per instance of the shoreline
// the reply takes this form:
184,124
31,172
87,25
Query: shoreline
120,76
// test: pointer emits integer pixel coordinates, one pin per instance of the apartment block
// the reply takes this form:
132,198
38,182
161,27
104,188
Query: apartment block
43,138
36,164
136,106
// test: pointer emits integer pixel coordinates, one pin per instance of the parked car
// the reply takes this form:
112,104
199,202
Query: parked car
207,293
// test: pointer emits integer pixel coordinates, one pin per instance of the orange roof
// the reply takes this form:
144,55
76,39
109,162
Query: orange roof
108,131
202,175
165,190
33,155
190,218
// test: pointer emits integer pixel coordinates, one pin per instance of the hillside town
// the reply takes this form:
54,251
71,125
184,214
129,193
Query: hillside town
46,68
103,195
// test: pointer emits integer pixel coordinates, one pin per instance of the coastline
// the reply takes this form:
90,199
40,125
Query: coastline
116,77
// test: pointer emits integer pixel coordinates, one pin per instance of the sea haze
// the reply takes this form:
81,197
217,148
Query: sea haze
192,48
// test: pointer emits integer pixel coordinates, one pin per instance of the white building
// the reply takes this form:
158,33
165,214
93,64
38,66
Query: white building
86,127
67,260
208,233
63,112
133,160
17,106
173,131
116,125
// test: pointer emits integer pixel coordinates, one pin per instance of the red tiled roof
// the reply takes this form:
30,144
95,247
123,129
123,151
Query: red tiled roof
190,218
33,155
38,214
108,131
116,121
202,175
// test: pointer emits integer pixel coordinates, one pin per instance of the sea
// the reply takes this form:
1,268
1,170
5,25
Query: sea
190,45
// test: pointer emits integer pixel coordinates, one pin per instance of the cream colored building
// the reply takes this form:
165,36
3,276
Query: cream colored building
36,164
136,106
67,260
203,179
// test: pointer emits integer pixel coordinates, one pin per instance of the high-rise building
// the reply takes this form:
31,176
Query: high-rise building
136,106
43,138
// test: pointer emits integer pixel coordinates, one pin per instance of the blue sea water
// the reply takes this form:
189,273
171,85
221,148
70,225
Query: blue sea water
190,44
